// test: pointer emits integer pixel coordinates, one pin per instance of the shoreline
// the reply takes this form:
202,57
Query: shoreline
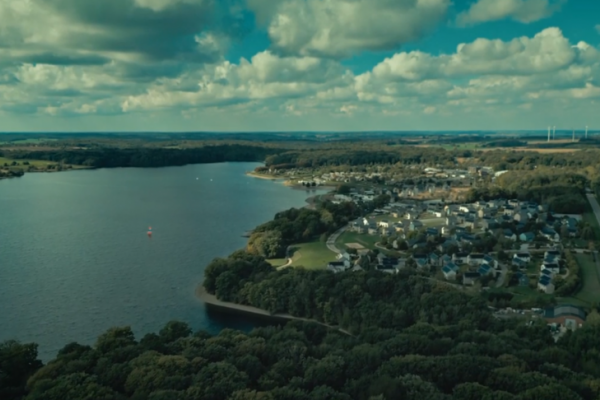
211,300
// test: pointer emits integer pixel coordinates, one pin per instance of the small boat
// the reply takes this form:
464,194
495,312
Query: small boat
149,231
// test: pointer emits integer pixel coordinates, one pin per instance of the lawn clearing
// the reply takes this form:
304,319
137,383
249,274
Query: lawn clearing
313,255
590,292
277,262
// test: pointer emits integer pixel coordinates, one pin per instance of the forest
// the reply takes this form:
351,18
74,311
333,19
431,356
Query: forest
145,157
563,191
410,340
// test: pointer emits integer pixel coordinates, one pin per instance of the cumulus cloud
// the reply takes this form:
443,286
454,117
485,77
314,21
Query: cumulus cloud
525,11
86,32
340,28
547,51
264,77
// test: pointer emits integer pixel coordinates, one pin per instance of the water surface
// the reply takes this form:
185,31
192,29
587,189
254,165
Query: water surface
75,259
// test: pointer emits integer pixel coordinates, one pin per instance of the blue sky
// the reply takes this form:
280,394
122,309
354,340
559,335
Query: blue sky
285,65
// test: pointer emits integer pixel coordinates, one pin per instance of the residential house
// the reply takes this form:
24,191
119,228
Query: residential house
422,263
523,256
509,234
444,247
384,224
552,253
450,221
446,231
519,263
434,259
415,225
545,285
343,256
446,259
521,216
338,266
469,278
390,269
432,232
526,237
390,231
460,258
514,203
554,268
422,260
489,223
490,260
467,238
475,259
412,215
485,269
509,211
372,230
484,213
550,234
449,270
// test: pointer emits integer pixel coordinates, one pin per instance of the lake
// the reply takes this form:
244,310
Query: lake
75,259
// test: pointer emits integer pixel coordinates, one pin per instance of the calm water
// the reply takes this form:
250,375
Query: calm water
75,259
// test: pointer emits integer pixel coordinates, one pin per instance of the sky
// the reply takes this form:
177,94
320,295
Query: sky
299,65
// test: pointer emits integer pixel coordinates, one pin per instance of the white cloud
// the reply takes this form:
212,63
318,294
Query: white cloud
340,28
265,77
519,10
547,51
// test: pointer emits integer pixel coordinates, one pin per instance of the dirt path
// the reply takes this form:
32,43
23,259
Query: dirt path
211,299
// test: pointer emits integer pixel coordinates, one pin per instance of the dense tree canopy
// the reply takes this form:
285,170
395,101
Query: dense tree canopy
303,360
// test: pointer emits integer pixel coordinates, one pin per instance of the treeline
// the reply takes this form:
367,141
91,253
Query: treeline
449,347
572,284
505,143
563,191
304,361
528,160
147,157
352,156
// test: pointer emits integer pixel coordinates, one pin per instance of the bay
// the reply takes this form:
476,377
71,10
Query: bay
75,259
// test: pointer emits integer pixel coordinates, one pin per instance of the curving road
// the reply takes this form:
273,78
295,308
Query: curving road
331,240
595,206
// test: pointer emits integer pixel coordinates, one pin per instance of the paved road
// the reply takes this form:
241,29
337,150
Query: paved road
595,206
331,241
502,277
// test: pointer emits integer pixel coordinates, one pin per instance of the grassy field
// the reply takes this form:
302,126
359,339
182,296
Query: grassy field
35,163
312,255
277,262
367,241
590,292
38,164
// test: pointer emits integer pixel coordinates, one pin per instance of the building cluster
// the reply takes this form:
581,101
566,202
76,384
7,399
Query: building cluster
455,227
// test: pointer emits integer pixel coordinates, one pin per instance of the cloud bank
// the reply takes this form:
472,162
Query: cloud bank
68,60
